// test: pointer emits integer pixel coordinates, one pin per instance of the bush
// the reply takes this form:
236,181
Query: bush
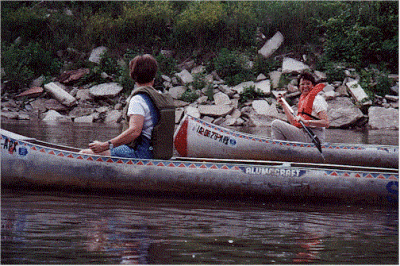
334,70
360,35
22,64
145,23
30,24
241,24
250,93
375,82
264,65
166,65
201,22
231,66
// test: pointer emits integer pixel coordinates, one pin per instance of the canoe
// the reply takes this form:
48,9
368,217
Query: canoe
33,164
197,138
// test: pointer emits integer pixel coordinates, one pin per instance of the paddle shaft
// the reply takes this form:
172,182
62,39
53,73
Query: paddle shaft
313,137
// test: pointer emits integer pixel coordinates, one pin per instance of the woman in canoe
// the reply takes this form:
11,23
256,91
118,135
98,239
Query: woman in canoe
312,111
141,115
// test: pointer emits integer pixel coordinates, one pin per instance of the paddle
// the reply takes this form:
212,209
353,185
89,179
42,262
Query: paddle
313,137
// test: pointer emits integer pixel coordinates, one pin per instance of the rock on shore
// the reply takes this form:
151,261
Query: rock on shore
349,106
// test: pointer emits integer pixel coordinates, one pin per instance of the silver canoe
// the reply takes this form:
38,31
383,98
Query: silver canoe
27,162
197,138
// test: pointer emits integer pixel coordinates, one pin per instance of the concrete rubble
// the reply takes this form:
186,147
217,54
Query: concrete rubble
349,105
271,45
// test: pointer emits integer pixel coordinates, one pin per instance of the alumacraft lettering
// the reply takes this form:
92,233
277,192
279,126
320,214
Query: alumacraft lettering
272,171
215,136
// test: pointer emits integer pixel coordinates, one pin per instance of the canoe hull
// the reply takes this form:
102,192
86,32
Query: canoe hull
35,165
197,138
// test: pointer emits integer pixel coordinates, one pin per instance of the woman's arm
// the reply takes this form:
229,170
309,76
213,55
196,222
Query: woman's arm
323,122
288,113
134,130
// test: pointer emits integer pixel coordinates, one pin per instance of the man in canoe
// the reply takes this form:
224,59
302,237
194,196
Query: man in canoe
312,111
149,118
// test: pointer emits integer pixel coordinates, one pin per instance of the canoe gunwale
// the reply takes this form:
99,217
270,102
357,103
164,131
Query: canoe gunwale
55,166
58,149
198,138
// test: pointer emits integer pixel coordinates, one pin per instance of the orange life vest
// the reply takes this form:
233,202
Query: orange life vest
306,103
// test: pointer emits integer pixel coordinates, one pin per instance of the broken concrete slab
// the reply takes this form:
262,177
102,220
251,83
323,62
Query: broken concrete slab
32,92
264,86
52,116
53,104
192,111
59,94
105,90
240,87
275,77
95,55
73,75
215,110
83,95
271,45
113,117
9,115
84,119
383,118
221,98
356,91
177,92
290,65
262,107
342,113
185,77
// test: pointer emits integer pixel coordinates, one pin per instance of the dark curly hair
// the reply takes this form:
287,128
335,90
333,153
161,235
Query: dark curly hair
306,76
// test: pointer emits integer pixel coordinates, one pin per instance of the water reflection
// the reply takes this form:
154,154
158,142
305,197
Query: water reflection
104,236
39,227
59,228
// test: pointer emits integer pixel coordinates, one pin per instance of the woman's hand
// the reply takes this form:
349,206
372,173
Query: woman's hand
299,118
98,147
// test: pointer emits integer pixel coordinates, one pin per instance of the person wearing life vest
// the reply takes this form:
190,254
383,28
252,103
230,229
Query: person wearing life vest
142,115
312,111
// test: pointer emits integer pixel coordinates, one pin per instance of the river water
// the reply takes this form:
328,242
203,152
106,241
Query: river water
55,227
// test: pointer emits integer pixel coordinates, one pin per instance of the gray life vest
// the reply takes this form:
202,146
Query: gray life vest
163,131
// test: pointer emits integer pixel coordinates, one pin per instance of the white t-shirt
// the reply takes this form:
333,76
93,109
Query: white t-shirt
319,105
138,106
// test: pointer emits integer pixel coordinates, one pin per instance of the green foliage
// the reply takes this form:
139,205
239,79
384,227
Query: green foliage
23,21
193,92
200,22
354,34
375,82
360,35
240,23
199,81
250,93
231,66
263,65
296,20
166,65
209,92
22,64
189,96
145,22
334,70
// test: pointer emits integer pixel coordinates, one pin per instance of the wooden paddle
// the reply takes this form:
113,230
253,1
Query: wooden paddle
313,137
